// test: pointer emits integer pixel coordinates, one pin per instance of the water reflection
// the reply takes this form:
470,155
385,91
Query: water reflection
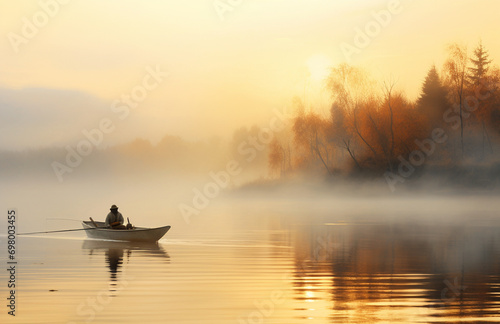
115,252
114,257
396,272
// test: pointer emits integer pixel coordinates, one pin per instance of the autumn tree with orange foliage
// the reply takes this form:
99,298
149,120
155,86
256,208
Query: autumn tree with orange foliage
374,129
350,89
312,139
367,129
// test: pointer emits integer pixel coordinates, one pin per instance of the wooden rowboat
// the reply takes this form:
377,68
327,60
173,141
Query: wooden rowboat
137,234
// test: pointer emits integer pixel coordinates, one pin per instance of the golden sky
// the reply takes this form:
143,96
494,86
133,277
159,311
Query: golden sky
229,63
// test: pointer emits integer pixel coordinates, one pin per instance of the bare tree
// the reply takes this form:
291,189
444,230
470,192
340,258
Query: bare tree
455,68
388,94
347,146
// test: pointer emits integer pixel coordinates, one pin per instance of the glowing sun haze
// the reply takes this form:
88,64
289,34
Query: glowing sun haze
226,69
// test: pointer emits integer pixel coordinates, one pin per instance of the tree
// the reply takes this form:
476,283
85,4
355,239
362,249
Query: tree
351,89
276,156
367,126
433,100
349,86
342,134
374,127
479,69
478,77
311,135
455,68
492,116
279,157
388,93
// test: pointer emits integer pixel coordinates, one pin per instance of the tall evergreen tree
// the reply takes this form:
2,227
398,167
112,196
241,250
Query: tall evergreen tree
477,73
478,77
433,100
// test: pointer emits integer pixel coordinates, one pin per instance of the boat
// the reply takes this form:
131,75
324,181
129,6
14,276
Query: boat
98,230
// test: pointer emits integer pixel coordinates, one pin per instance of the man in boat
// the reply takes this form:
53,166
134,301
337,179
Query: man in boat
115,218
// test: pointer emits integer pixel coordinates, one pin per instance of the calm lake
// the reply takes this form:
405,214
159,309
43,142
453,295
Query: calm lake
378,261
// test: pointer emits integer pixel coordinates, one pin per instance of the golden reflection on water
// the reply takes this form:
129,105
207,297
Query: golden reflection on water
366,273
292,272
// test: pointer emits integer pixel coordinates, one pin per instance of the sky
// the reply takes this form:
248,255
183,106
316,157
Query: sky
204,68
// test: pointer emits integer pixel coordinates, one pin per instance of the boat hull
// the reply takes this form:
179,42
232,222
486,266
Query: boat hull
138,234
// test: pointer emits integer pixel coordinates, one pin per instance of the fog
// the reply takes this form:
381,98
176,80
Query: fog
206,121
438,228
212,198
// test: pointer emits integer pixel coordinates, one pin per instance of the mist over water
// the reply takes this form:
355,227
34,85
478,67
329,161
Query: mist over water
281,254
247,246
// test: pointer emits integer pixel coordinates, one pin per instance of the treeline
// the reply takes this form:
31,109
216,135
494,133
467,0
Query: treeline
373,128
170,156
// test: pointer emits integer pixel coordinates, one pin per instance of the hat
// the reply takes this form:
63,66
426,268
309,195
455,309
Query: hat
113,207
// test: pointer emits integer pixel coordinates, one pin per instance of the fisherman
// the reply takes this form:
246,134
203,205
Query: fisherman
115,219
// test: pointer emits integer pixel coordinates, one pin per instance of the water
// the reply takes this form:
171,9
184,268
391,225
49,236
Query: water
279,265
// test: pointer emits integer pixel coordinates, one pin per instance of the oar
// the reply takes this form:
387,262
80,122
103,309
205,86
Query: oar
95,225
68,230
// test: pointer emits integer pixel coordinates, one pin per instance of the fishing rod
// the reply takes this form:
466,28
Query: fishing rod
59,231
67,219
68,230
